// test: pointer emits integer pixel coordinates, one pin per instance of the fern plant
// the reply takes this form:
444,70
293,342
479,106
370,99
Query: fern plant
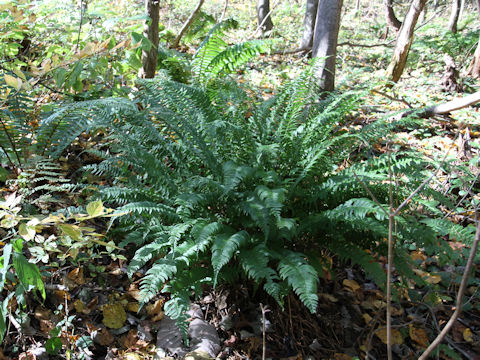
259,192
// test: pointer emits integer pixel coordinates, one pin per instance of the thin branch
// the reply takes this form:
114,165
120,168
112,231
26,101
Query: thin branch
403,101
461,291
263,21
348,43
187,24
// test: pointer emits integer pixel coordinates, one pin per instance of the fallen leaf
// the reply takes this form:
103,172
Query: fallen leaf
396,336
418,335
114,315
367,318
106,338
155,308
351,285
328,297
129,340
76,275
468,335
133,307
341,356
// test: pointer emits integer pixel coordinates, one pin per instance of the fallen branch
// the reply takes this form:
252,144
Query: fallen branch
448,107
348,43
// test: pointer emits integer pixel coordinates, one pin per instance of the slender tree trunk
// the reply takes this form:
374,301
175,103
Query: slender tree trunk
474,68
263,16
150,31
392,20
452,23
478,6
325,40
404,40
309,24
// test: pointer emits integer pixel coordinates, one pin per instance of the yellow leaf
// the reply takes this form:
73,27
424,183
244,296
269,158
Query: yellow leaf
418,335
351,285
20,74
114,316
396,336
468,335
13,81
95,208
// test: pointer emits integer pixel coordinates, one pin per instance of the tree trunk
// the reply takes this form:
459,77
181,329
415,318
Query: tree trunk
150,31
392,20
404,40
452,23
474,68
263,16
309,24
325,39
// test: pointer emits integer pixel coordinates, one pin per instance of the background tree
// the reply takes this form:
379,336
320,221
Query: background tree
309,24
149,57
263,16
404,40
452,23
327,25
392,20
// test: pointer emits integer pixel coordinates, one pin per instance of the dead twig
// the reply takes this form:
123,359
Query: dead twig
461,291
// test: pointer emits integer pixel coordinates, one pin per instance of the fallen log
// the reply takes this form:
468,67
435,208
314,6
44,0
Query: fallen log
446,108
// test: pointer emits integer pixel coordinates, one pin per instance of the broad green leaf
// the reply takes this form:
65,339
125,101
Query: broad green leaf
71,230
53,345
95,208
28,273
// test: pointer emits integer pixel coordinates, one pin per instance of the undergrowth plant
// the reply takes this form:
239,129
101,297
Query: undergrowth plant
221,191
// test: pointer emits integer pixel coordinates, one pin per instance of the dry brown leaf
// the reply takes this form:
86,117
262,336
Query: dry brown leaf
418,335
328,297
155,308
76,275
114,315
396,336
418,256
351,285
341,356
60,295
41,313
129,340
367,318
106,338
46,326
133,307
158,317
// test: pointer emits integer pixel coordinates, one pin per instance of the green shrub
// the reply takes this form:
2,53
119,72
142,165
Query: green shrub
215,194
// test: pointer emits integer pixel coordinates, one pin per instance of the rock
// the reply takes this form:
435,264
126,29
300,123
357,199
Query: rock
169,337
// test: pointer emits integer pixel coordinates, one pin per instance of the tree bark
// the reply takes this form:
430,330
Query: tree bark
150,31
404,40
187,24
309,24
263,16
392,20
474,68
325,40
452,23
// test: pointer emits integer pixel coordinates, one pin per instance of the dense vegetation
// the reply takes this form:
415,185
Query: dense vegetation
231,168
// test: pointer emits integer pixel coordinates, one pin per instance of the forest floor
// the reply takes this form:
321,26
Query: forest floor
98,303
